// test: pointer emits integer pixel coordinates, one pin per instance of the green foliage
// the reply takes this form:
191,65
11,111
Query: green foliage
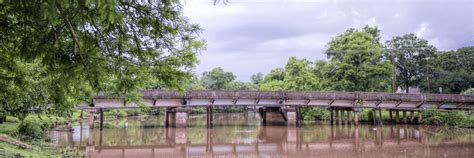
453,71
299,75
199,110
275,74
239,85
315,113
31,130
435,117
56,54
357,63
257,78
217,79
411,55
273,85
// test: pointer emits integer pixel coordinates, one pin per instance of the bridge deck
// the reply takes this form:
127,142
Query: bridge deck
403,101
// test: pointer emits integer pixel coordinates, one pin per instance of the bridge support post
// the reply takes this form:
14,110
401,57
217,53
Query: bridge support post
397,117
167,120
349,117
263,116
404,117
374,117
420,117
279,116
356,117
380,117
332,115
298,117
337,116
412,117
342,116
91,119
209,117
390,118
101,116
81,116
177,117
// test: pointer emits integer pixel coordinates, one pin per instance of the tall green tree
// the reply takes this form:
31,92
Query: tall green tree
357,63
84,47
299,75
256,78
411,59
217,79
275,74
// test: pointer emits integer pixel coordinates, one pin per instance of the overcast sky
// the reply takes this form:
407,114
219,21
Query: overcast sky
251,36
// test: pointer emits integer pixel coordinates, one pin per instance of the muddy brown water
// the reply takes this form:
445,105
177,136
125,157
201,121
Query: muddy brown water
240,135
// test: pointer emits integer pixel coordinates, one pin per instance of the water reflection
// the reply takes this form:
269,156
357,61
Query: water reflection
240,135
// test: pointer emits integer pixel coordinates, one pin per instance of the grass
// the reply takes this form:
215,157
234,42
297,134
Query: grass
39,148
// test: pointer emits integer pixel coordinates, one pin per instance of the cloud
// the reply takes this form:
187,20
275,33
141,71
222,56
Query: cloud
250,36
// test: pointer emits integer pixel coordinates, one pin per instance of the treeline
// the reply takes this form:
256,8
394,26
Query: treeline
358,61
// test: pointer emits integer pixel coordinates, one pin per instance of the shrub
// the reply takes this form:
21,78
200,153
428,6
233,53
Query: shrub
315,113
434,117
31,130
198,110
454,118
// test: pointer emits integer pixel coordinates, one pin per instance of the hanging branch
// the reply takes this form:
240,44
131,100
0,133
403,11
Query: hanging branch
65,17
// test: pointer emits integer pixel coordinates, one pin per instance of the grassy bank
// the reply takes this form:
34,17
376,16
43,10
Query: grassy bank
32,131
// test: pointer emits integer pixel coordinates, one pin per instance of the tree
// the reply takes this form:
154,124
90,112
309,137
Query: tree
66,51
356,62
257,78
322,70
273,85
275,74
239,85
217,79
299,75
453,71
411,58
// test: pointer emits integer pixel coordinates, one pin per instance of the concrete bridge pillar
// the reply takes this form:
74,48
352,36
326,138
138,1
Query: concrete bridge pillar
176,117
91,119
420,118
279,116
356,116
274,117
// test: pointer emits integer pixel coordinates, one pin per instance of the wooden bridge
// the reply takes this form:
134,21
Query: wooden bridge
283,107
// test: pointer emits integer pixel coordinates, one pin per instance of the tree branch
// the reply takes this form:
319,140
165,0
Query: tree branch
70,28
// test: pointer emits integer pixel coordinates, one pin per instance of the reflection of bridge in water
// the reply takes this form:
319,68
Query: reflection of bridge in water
283,107
268,141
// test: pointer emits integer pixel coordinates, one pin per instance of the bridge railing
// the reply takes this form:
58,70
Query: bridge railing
304,95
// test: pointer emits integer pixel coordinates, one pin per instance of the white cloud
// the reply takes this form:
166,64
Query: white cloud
421,31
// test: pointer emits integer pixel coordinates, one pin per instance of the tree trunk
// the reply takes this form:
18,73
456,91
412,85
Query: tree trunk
407,86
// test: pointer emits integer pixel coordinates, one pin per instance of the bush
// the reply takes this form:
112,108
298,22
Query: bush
315,113
31,130
454,118
434,117
198,110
